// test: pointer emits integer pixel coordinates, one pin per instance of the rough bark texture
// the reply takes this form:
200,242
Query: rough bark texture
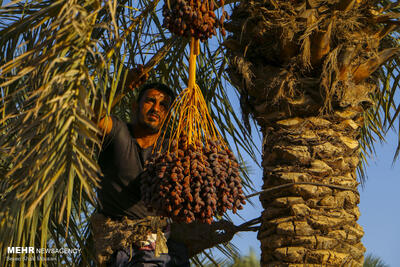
311,224
110,236
305,72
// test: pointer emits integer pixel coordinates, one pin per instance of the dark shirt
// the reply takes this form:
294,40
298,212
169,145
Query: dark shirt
121,161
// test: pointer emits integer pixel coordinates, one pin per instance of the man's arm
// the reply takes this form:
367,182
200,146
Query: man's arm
105,124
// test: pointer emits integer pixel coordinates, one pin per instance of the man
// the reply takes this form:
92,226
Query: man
125,149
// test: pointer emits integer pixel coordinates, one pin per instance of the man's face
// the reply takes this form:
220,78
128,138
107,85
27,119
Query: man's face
152,109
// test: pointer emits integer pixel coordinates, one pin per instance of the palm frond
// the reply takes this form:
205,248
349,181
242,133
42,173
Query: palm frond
374,261
382,116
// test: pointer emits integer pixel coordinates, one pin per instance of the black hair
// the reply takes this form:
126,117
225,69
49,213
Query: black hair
158,86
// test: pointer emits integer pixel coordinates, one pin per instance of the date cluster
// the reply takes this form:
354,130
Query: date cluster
193,18
193,182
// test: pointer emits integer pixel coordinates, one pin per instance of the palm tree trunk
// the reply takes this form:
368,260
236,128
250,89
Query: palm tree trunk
305,71
308,223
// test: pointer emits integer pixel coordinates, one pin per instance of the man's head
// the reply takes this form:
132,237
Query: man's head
152,106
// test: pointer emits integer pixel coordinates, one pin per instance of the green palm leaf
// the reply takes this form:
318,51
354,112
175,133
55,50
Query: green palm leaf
59,61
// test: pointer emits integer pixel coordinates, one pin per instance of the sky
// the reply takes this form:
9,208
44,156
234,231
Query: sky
379,206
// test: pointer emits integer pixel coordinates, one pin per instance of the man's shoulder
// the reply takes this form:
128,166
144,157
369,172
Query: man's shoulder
120,131
120,124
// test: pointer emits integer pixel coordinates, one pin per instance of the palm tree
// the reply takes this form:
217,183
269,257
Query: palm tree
374,261
61,64
319,79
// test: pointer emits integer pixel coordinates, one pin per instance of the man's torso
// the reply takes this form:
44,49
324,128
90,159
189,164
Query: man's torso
122,161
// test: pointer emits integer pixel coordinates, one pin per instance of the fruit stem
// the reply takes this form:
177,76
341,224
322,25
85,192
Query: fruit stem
194,51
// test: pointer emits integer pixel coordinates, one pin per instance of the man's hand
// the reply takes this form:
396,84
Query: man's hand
199,236
136,77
